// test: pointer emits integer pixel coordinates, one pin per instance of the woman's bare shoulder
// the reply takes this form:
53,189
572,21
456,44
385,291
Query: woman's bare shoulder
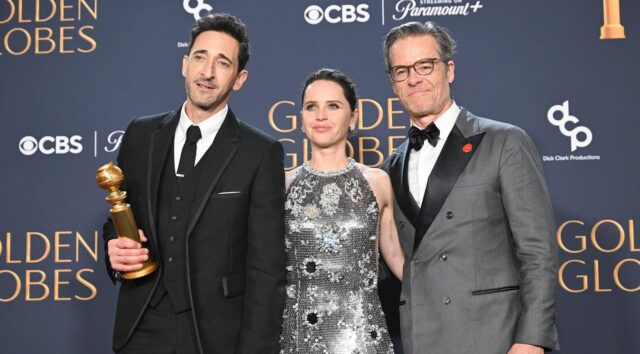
378,179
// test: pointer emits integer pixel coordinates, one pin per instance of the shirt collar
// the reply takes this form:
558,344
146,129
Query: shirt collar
208,127
447,120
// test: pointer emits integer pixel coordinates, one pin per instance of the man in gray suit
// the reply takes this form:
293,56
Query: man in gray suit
472,212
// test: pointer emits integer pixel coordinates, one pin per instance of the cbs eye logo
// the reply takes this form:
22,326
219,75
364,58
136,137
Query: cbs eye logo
48,145
315,14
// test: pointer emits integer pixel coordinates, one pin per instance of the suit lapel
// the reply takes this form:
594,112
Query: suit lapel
215,160
399,181
161,142
456,153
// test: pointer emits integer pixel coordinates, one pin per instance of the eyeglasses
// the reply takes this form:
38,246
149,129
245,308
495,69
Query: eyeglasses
422,67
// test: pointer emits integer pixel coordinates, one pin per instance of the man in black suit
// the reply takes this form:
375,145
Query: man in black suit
207,192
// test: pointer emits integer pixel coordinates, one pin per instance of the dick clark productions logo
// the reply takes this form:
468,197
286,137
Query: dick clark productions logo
197,10
561,123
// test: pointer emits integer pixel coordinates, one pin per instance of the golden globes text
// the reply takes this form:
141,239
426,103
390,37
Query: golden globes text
47,27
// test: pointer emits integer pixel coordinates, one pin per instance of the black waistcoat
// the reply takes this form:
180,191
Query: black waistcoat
176,201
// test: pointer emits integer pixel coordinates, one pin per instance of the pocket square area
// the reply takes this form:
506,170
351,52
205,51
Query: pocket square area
230,192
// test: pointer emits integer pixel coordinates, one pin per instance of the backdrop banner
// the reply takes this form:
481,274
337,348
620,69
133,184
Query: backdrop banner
73,73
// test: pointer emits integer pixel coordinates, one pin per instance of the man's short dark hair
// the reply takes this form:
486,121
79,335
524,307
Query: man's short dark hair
446,44
228,24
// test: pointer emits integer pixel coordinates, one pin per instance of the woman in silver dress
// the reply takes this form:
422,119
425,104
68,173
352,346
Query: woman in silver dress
338,215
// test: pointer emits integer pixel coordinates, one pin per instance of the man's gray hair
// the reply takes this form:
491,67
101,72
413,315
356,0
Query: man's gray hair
446,44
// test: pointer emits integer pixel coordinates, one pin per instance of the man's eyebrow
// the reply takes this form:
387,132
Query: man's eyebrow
220,55
200,51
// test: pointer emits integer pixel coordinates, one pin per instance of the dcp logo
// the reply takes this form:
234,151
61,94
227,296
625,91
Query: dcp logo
315,14
195,11
50,145
562,124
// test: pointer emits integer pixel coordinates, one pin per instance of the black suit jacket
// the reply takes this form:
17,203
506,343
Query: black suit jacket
235,236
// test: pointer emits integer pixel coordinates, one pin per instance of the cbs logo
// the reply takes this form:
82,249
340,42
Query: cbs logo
48,145
314,14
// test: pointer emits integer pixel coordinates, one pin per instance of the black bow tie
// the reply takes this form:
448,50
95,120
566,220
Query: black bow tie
417,136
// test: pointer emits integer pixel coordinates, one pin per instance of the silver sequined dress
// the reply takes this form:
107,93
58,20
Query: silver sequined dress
332,305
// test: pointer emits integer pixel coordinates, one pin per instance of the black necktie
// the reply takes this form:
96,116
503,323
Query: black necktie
188,155
417,136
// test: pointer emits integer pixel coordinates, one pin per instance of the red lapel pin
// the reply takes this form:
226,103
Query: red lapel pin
467,148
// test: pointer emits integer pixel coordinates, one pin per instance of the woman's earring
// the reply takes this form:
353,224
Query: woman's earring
351,131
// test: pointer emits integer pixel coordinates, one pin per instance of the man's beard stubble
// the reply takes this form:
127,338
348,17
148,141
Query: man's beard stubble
206,106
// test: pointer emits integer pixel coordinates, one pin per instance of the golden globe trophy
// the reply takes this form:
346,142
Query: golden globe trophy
109,177
612,29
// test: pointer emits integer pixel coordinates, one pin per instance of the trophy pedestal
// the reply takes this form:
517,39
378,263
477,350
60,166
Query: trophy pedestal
148,268
612,32
611,28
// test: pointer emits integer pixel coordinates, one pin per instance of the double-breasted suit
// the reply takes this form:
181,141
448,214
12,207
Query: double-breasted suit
481,261
235,260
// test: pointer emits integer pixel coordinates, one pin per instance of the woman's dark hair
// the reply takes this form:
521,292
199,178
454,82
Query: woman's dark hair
337,76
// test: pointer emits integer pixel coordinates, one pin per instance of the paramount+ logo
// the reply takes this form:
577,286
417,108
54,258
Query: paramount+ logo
333,14
49,145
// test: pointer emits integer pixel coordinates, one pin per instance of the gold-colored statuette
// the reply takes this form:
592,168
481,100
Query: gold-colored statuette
109,177
612,29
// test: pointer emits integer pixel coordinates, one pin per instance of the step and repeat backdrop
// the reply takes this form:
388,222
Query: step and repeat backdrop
73,73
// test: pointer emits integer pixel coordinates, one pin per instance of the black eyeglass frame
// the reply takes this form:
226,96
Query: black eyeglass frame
415,66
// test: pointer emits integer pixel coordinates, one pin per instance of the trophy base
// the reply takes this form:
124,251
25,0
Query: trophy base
612,32
148,268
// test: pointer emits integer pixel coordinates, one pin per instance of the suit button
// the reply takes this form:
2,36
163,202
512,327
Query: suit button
171,239
449,215
170,259
444,257
174,218
446,300
178,198
401,224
